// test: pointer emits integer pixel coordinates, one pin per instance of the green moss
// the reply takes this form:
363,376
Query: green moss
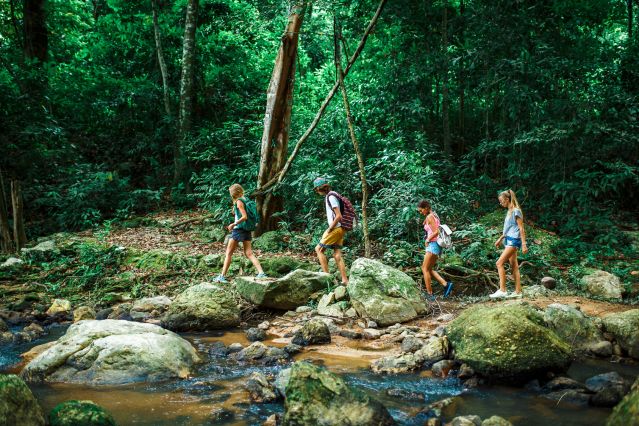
271,241
626,413
86,413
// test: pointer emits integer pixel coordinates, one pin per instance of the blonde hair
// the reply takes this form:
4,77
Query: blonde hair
236,191
510,195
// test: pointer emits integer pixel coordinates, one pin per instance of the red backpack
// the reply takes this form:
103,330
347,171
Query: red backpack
349,217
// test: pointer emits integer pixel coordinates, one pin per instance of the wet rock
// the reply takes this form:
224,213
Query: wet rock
603,284
264,325
496,421
340,293
113,352
34,330
549,282
508,343
411,344
383,294
6,337
574,327
466,421
292,349
314,332
601,349
569,396
272,420
623,326
289,292
275,355
121,312
350,334
281,380
255,334
3,326
83,313
607,397
139,316
626,413
317,396
442,368
405,394
602,381
12,262
331,324
18,406
103,313
259,389
85,413
203,307
436,408
59,306
433,350
217,349
252,352
465,372
235,347
150,304
562,383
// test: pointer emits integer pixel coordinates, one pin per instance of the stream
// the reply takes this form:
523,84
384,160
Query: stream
215,395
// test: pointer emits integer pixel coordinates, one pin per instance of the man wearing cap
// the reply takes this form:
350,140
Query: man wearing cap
333,237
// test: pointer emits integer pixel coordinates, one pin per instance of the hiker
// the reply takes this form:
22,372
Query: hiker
240,232
333,237
514,238
433,250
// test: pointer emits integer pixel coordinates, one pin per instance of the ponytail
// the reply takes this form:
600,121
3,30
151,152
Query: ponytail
512,198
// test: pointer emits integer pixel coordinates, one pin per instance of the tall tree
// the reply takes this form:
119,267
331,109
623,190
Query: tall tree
6,243
36,38
187,86
445,93
630,18
351,130
277,119
161,62
19,235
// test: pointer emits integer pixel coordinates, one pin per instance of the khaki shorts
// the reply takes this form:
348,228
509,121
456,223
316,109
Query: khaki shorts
333,239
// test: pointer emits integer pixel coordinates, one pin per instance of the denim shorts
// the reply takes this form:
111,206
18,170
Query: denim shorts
241,235
434,248
512,242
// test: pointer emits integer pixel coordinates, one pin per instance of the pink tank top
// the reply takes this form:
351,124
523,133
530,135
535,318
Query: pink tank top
430,232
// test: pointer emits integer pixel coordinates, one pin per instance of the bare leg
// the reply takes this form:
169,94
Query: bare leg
339,260
248,252
230,248
514,267
505,255
322,257
426,272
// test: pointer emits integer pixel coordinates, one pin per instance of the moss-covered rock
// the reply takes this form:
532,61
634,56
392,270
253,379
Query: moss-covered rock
624,326
626,413
282,265
508,343
18,406
574,327
85,413
203,307
383,294
603,284
271,241
314,332
315,396
43,252
288,292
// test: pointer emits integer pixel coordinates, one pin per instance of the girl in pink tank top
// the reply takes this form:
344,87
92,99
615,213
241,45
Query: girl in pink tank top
433,250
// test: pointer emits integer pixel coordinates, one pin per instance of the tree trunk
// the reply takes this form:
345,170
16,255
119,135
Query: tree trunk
160,54
351,131
187,83
6,243
36,39
445,95
277,118
19,236
462,84
630,16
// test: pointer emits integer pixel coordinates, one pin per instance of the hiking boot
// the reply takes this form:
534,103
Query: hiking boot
449,289
498,294
220,279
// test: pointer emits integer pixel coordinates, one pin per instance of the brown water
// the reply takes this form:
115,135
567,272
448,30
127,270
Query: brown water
215,394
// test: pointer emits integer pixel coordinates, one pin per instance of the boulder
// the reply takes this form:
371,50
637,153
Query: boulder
609,389
316,396
18,406
508,343
85,413
259,389
203,307
255,334
496,421
293,290
471,420
434,349
327,307
549,282
443,367
340,293
383,294
84,313
314,332
535,291
626,413
603,284
59,306
575,328
623,326
111,352
150,304
44,251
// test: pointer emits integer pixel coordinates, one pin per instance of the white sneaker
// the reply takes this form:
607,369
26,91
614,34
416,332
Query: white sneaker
514,295
498,294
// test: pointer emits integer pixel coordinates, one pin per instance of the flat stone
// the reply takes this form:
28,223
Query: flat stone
371,333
